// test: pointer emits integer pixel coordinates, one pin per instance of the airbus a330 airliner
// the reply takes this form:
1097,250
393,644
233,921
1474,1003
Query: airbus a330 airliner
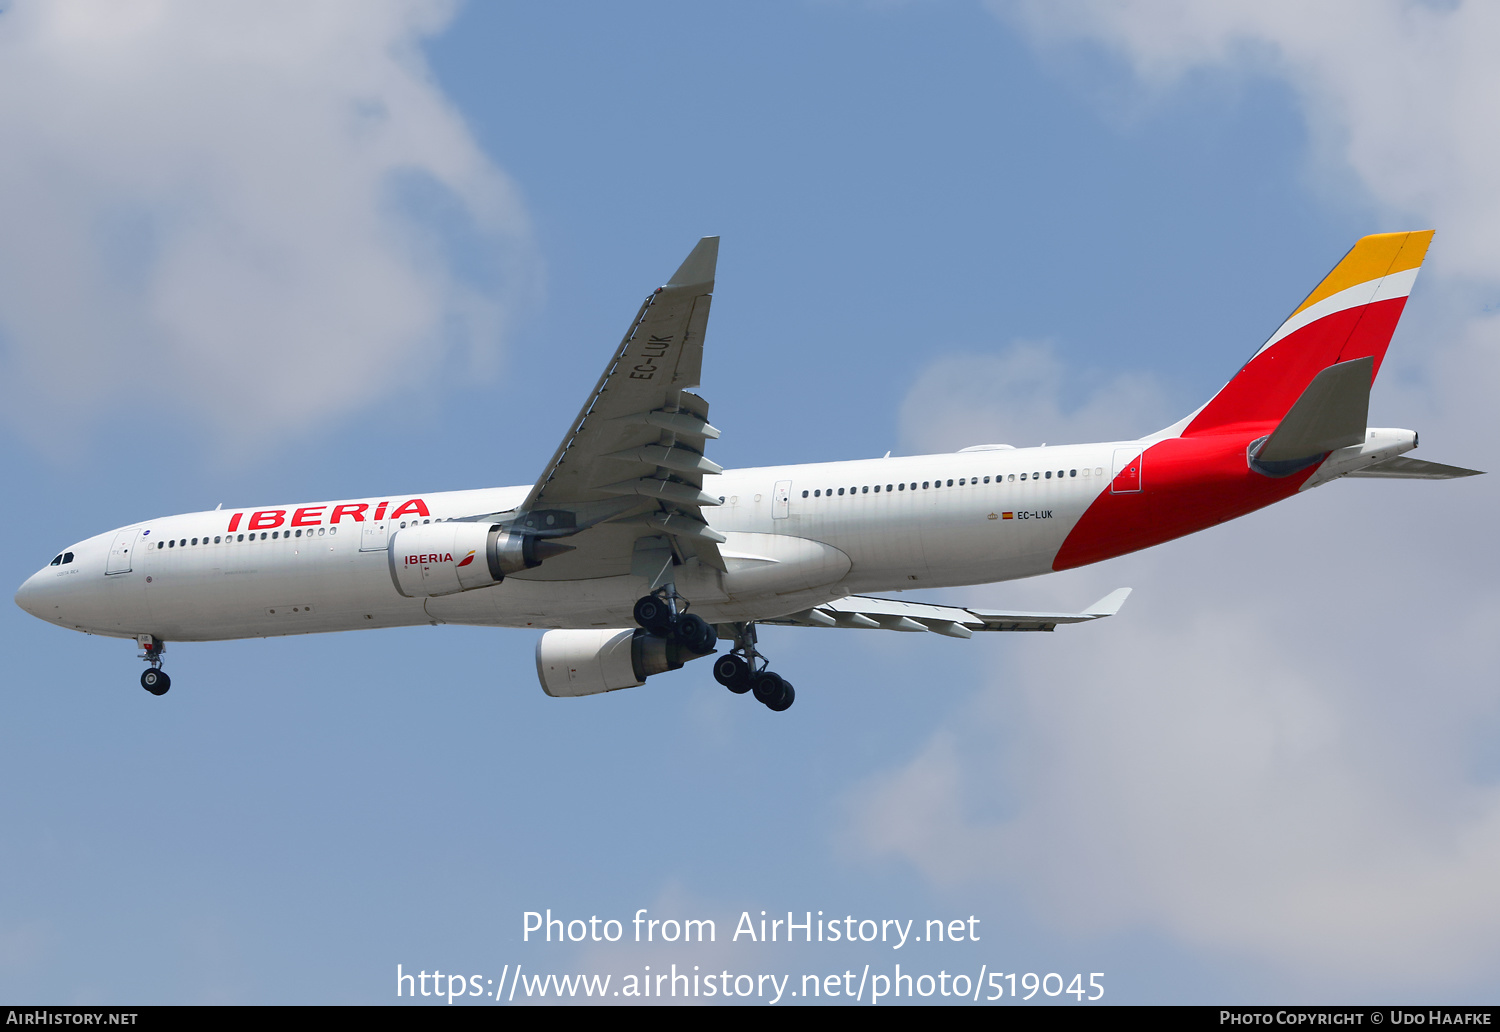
636,553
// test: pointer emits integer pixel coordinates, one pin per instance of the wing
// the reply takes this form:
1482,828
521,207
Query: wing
632,463
892,615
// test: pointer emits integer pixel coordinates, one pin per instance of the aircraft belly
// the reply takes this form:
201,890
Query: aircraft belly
768,575
267,593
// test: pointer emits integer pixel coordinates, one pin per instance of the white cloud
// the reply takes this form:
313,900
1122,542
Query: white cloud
1281,749
1015,398
241,212
1399,92
1272,751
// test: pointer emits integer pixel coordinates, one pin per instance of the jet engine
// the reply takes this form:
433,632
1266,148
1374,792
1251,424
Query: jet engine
445,558
586,662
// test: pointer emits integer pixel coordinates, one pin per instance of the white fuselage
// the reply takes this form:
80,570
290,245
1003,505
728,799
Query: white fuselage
844,528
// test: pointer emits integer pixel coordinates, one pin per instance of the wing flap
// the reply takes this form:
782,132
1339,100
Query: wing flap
896,615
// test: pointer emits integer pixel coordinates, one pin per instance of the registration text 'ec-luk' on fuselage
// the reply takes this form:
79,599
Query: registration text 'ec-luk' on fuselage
636,553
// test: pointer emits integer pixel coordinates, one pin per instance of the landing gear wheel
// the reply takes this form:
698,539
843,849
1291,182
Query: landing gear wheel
786,700
733,672
155,681
695,634
654,615
770,689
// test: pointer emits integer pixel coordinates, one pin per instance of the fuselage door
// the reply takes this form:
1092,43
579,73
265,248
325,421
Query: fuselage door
1127,471
781,500
374,536
119,552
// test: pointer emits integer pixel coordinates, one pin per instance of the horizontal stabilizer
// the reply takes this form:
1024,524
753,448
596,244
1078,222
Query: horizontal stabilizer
1402,468
894,615
1331,414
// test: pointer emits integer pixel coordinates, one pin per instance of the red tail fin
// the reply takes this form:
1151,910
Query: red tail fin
1350,315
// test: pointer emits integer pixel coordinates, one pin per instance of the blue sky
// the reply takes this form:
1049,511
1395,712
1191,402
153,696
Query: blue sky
275,255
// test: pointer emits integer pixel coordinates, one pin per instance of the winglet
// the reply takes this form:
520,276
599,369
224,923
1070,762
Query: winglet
697,269
1109,605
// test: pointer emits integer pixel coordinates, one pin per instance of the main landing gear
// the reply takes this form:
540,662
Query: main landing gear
738,673
154,679
658,613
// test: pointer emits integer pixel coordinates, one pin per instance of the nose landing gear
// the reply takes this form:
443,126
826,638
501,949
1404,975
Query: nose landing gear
154,679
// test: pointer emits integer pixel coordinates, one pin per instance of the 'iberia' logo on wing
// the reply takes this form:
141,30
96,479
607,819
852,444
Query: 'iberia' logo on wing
466,560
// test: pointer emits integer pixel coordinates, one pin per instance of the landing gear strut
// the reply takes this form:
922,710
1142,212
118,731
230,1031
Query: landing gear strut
154,679
664,614
738,672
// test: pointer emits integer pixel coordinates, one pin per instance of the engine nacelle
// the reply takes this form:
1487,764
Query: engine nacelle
445,558
571,663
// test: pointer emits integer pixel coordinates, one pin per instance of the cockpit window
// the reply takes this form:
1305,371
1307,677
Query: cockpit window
57,561
67,558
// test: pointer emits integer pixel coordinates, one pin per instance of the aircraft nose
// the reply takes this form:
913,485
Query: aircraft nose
27,595
35,596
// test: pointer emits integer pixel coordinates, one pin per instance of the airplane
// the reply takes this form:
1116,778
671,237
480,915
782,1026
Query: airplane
635,553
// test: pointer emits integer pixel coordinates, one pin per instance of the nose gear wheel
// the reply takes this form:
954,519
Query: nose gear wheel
154,679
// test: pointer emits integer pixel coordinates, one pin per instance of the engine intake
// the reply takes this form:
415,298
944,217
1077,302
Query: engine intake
445,558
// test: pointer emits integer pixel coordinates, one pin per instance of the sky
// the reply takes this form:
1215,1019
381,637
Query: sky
260,252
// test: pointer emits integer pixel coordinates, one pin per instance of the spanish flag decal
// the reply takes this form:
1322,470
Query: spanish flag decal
1007,515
